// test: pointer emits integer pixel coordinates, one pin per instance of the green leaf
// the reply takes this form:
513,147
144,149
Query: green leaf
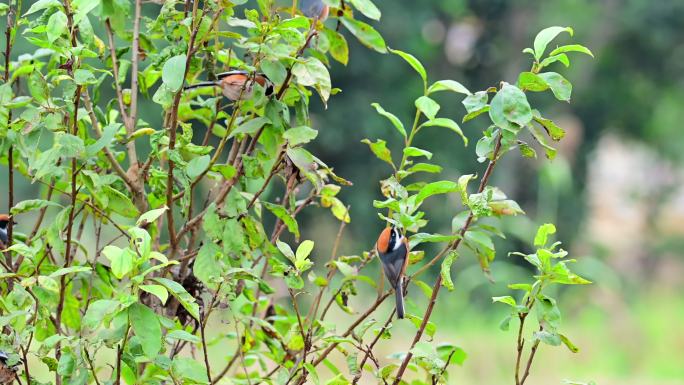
250,127
445,270
571,48
545,36
510,105
419,238
121,260
526,150
56,26
547,337
428,354
548,314
367,8
449,85
392,118
424,287
304,250
561,87
505,207
430,327
97,311
311,72
365,33
463,181
42,4
425,167
302,263
434,188
448,123
543,233
413,62
82,76
173,72
563,58
476,102
197,166
158,291
83,7
458,356
379,148
181,295
105,140
482,244
228,171
415,152
508,300
529,81
207,267
282,213
151,216
427,106
274,70
69,270
538,135
566,341
146,326
182,335
32,204
189,369
556,133
300,135
66,364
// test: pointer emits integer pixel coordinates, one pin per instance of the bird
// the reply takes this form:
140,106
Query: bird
4,222
315,9
393,250
237,84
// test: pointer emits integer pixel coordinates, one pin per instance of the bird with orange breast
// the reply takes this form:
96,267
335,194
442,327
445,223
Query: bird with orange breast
4,224
237,84
393,250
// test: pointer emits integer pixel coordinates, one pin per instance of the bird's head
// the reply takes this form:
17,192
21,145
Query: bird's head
390,239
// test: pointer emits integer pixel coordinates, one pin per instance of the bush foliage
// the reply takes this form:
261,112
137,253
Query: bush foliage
146,235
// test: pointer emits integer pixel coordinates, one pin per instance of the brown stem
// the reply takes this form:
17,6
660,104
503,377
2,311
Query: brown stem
204,346
529,360
90,364
117,84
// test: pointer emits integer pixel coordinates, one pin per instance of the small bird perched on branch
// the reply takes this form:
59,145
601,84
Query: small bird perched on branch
237,84
393,250
4,223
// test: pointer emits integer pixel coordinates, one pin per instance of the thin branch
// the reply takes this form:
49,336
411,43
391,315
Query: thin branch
204,345
135,59
117,84
90,364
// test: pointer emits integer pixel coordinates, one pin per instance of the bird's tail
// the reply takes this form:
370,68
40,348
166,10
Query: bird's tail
399,294
201,84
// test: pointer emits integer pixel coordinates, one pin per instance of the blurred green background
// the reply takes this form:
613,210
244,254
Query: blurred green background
616,190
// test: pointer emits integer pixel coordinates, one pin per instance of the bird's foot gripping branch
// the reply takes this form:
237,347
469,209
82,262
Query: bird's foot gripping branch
164,243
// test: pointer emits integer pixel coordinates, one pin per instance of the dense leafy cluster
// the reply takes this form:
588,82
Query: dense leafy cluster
148,234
